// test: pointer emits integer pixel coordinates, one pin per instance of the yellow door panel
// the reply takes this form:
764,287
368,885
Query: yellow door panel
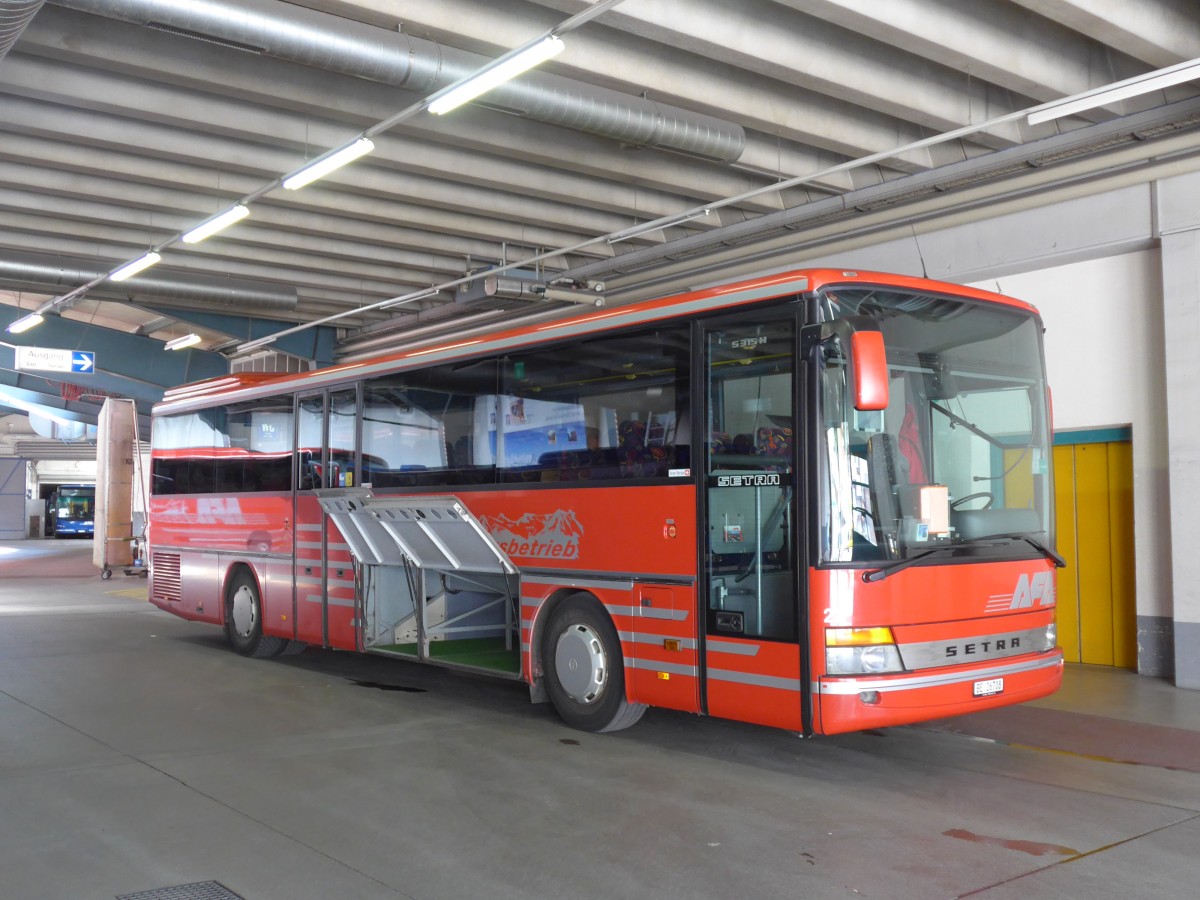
1095,554
1018,483
1120,506
1068,585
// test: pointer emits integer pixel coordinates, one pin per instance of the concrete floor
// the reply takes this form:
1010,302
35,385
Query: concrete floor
138,752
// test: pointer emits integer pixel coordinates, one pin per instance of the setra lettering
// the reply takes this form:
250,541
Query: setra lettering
980,647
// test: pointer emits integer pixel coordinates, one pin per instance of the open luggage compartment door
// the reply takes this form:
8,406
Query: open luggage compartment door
435,585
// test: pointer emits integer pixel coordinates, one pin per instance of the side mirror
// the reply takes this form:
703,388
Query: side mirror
866,358
868,371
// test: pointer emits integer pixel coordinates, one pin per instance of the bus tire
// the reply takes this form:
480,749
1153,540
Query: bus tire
584,669
243,618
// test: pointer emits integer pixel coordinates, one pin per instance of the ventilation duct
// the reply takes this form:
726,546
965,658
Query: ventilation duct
365,51
14,16
59,274
39,450
66,430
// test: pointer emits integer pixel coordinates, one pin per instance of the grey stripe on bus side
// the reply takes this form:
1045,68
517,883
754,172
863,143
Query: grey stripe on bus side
716,645
791,685
641,638
634,662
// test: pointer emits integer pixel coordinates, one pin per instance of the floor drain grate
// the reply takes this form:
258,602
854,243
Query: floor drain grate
201,890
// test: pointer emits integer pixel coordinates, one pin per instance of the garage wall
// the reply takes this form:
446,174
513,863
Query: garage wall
13,525
1104,359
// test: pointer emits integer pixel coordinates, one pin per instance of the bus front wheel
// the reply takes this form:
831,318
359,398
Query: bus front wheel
243,619
584,669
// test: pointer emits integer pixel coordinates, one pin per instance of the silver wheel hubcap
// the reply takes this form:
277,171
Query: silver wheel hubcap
581,664
243,611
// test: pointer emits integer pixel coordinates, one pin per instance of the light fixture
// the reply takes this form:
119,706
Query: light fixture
257,342
130,269
25,323
323,165
497,75
188,340
26,406
216,223
1114,93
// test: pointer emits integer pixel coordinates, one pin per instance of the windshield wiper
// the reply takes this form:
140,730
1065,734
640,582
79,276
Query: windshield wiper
883,572
873,575
1059,562
974,429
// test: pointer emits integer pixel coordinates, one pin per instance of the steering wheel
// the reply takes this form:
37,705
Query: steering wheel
979,496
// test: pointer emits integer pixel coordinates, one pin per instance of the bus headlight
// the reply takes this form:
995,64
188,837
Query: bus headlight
861,651
1050,641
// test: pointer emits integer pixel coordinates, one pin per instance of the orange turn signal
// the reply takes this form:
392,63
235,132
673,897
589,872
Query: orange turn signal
857,637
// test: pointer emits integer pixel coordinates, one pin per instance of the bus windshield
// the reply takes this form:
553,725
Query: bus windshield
959,459
75,502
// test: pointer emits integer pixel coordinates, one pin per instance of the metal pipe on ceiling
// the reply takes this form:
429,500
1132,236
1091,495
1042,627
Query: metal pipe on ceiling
940,210
1050,156
31,272
15,15
356,350
335,44
1039,188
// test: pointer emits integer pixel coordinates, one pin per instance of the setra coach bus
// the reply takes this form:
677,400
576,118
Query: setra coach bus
820,501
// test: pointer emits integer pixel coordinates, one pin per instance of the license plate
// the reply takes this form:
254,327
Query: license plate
987,688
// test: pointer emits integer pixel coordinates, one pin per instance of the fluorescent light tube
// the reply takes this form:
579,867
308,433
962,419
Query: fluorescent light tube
216,223
323,165
188,340
26,406
24,324
1121,90
130,269
490,78
256,343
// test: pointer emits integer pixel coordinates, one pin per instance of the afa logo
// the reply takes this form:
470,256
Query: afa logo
551,536
1040,588
1030,590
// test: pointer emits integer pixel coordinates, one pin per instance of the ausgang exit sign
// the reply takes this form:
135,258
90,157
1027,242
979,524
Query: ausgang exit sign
49,359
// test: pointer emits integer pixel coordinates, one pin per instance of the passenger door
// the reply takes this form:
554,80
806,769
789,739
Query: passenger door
326,457
750,536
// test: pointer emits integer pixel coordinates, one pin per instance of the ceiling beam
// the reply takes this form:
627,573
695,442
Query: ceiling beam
804,52
989,42
1161,33
183,81
796,128
127,365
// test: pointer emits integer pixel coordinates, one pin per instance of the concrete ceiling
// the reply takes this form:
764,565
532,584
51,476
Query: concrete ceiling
122,125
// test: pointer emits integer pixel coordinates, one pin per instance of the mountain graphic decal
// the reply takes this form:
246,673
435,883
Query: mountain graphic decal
539,536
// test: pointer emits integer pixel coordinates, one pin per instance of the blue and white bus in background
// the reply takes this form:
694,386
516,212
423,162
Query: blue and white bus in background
73,507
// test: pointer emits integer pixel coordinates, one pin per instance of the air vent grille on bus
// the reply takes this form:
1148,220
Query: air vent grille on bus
167,584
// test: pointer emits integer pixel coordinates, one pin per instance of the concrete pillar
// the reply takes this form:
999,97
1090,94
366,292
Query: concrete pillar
1179,202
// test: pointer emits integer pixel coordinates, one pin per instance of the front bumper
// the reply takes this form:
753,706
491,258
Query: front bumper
854,703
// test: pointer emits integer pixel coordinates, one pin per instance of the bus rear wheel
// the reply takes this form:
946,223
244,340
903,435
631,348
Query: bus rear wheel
584,669
243,619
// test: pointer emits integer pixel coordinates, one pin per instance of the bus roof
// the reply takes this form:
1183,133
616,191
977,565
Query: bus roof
249,385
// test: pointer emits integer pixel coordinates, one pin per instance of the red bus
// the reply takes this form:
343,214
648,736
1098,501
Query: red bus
820,501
